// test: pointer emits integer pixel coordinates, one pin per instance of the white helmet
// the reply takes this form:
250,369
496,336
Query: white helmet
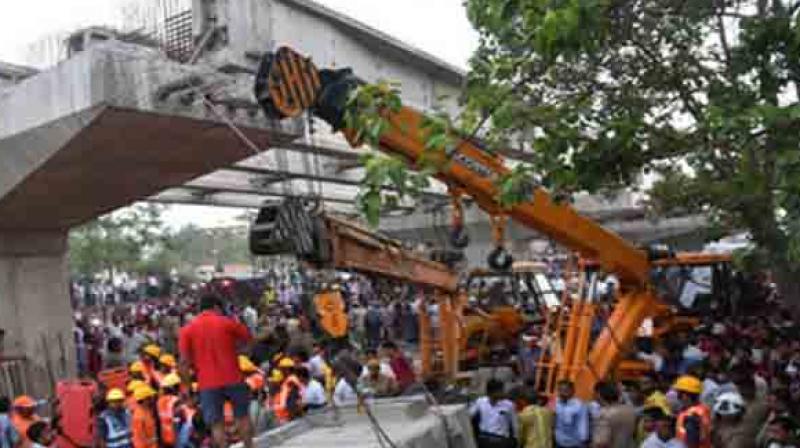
729,403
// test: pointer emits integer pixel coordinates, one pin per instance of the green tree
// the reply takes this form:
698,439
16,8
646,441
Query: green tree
703,94
596,93
117,241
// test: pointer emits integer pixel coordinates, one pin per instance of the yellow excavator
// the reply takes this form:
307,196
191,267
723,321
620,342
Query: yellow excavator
288,85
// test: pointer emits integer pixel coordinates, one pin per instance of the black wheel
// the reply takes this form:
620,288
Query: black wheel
500,259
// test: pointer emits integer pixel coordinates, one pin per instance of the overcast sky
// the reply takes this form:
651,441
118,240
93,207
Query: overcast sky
440,27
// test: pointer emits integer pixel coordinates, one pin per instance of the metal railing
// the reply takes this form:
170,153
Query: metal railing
15,376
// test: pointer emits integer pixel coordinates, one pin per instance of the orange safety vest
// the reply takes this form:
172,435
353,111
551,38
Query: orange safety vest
167,418
130,404
21,425
255,381
152,376
230,423
281,400
228,414
704,413
143,428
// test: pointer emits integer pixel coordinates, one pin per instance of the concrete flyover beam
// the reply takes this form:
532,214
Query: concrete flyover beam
113,125
110,126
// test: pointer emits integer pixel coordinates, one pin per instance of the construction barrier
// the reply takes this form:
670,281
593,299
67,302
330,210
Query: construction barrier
114,378
76,408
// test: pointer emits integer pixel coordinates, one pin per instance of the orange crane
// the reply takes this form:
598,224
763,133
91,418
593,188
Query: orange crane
328,242
289,84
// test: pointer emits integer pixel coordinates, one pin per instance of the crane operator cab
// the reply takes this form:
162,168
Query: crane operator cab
501,304
694,282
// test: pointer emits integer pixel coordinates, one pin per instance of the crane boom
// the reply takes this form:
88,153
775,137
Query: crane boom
288,85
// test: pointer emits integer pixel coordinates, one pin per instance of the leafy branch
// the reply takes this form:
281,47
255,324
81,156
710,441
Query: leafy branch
387,181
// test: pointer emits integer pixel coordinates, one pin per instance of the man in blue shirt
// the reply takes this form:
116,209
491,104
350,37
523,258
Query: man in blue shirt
572,418
8,436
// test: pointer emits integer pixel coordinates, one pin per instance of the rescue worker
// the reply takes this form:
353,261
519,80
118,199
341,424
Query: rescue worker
167,407
114,423
253,376
192,430
149,356
288,404
22,417
130,403
143,423
273,390
728,410
167,364
136,371
693,426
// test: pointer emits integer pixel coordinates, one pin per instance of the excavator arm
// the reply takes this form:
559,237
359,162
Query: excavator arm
288,85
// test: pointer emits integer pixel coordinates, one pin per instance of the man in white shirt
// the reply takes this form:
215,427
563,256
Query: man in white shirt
344,394
317,362
386,369
250,318
494,415
664,434
314,396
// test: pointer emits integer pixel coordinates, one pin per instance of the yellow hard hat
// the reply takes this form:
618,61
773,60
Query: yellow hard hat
171,380
246,365
276,376
115,395
136,367
688,384
286,363
135,384
168,360
143,392
152,350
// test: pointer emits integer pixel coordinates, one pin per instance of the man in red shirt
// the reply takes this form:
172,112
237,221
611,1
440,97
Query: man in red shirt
400,365
209,345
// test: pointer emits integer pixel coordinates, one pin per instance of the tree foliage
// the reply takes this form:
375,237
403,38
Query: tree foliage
117,241
136,240
366,115
701,95
704,94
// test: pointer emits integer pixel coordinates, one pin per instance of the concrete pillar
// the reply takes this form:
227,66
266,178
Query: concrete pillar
35,309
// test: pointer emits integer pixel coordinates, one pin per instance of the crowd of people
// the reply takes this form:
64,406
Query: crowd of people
208,372
730,382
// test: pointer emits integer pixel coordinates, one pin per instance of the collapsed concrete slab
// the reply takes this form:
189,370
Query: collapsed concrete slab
112,125
409,422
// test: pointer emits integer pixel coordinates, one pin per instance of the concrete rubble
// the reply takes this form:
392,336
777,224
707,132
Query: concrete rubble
408,421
